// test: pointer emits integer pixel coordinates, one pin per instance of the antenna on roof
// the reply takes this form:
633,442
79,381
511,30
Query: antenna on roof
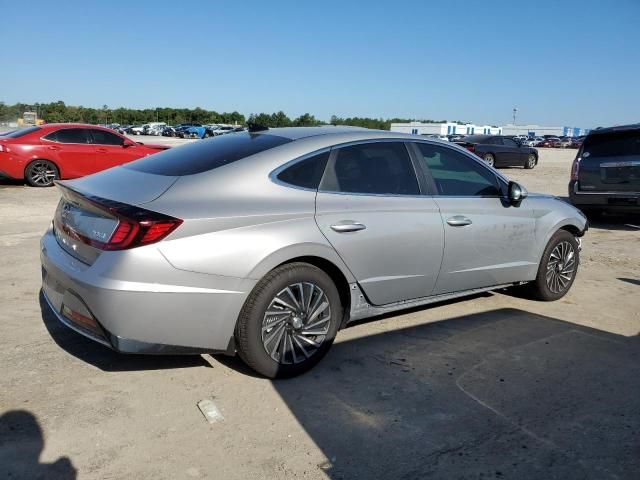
256,127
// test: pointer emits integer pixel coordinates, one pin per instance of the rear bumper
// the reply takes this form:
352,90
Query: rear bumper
133,317
618,201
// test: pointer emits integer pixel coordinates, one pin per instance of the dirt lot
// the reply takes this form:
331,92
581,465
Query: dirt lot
493,386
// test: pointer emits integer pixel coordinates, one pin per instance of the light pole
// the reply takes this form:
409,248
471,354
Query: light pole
515,110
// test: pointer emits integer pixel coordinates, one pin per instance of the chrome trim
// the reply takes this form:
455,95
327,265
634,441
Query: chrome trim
273,176
361,308
619,193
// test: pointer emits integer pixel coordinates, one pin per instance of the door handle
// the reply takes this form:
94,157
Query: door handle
459,221
53,147
347,226
101,150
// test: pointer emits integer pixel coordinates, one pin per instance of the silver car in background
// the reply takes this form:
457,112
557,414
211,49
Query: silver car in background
267,242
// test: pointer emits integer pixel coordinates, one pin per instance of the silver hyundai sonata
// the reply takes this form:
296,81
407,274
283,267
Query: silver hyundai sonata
267,242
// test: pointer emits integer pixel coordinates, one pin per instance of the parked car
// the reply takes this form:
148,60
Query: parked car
169,131
122,129
533,142
272,240
138,129
550,142
444,138
576,142
181,128
605,175
155,130
43,154
500,151
565,142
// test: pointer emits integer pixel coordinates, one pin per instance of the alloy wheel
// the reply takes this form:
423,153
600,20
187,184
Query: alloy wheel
561,267
42,173
488,158
531,161
296,323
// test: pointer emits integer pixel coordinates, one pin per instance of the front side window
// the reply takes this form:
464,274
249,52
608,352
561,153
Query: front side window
306,173
100,137
509,143
455,174
382,168
69,135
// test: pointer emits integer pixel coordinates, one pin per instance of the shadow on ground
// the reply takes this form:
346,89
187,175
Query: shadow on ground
503,394
105,359
21,443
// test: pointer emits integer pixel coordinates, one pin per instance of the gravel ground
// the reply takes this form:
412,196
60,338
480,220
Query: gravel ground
493,386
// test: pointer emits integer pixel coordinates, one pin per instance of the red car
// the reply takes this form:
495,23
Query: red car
551,142
43,154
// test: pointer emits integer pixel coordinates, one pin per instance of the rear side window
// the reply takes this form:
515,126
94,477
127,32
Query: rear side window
69,135
612,144
101,137
207,155
306,173
509,143
372,168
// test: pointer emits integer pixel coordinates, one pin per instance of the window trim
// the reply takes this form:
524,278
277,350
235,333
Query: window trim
88,134
502,182
273,176
334,154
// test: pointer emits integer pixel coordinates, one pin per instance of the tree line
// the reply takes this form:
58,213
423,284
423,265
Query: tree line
59,112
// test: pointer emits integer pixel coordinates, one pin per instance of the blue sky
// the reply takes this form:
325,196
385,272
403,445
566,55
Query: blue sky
560,63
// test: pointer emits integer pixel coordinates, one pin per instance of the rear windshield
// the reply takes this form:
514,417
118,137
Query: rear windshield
615,144
206,155
20,133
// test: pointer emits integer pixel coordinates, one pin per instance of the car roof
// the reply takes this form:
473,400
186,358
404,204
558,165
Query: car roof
52,126
297,133
617,128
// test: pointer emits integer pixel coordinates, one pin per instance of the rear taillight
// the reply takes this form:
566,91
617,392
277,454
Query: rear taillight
134,226
470,147
575,167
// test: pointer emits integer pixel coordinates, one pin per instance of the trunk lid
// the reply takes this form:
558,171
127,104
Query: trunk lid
610,162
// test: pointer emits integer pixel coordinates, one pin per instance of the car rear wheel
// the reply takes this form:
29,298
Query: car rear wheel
41,173
289,321
531,162
489,159
558,267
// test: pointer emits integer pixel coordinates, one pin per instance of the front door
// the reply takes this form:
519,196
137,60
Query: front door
487,241
370,209
110,151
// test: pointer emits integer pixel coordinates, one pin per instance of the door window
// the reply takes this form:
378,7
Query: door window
69,135
455,174
382,168
100,137
509,143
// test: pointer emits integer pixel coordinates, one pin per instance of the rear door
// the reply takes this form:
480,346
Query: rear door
370,208
610,162
70,149
487,241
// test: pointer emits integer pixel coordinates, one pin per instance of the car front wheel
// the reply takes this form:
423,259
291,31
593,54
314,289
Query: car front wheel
531,161
289,321
558,267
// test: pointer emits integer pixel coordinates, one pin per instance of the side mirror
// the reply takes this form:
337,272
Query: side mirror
517,193
127,144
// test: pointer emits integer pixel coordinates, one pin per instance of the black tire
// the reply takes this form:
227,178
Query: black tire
249,334
530,162
543,289
41,173
489,159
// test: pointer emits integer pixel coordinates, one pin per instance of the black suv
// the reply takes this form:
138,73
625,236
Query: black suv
605,175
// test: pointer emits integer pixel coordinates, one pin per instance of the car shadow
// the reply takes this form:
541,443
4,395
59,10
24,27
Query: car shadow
9,182
104,358
501,394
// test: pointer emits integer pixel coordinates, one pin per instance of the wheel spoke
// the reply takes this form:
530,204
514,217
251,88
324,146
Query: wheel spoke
300,346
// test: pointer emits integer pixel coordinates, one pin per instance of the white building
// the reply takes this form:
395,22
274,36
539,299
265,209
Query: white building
451,128
447,128
539,130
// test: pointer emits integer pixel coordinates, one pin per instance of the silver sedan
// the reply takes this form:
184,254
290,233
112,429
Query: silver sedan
267,242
